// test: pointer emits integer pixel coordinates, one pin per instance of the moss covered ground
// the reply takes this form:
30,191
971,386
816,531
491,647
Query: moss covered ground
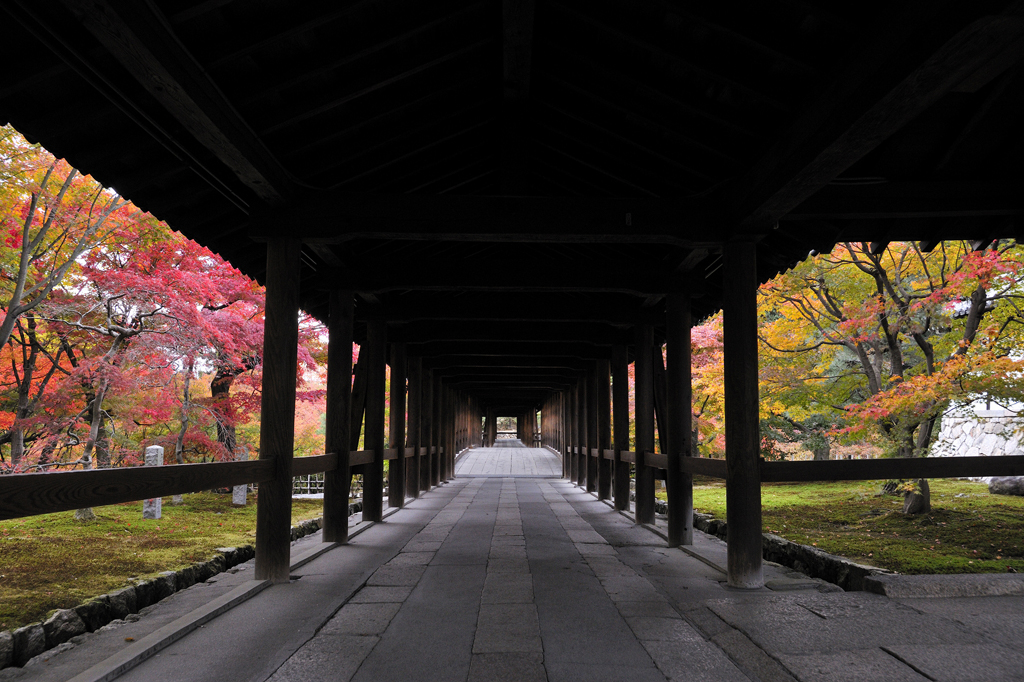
967,531
51,561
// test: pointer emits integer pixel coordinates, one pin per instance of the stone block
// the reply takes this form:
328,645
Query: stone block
122,602
361,619
507,628
850,666
507,667
62,626
94,613
393,593
1006,485
655,629
145,594
6,649
29,641
151,508
164,586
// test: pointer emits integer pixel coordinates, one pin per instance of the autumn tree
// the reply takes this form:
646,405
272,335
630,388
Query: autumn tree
885,339
51,217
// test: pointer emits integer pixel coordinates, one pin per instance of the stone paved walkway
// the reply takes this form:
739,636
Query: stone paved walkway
506,460
502,578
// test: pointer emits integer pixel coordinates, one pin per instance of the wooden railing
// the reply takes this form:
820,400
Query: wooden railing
30,494
842,469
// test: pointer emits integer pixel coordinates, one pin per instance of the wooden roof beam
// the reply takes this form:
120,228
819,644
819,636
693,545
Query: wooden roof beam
913,199
142,41
336,217
897,77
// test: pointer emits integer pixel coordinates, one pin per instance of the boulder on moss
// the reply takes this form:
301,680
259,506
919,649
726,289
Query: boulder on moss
1007,485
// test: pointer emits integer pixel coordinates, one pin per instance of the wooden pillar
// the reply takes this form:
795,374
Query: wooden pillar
644,389
742,433
428,428
604,429
415,407
679,419
620,412
573,421
396,433
373,473
337,483
583,432
592,429
277,426
435,463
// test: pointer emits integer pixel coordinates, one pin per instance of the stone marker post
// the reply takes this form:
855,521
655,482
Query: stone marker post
154,458
238,492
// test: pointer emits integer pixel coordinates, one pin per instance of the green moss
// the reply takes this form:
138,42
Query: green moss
52,562
968,530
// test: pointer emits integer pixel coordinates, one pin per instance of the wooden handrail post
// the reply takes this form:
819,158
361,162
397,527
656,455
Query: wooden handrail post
581,430
574,434
337,483
277,425
435,457
592,428
396,469
644,389
620,413
679,419
373,474
604,429
428,428
742,432
413,477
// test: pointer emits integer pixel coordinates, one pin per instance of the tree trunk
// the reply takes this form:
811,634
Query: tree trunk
97,435
824,451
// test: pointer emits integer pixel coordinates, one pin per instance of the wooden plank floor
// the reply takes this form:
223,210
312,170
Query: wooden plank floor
509,460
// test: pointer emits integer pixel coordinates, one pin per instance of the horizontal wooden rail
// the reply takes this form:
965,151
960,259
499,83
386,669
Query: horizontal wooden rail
304,466
872,469
391,453
360,457
608,454
703,466
29,494
628,456
656,460
410,452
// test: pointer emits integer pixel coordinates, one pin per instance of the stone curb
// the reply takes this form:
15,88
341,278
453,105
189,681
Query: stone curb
896,586
811,561
21,645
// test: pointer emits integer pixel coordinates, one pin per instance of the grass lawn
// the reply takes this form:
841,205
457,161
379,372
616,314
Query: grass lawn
52,561
967,531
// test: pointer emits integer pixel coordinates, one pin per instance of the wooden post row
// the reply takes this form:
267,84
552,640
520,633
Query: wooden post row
620,412
373,439
277,426
604,429
742,433
644,401
415,407
396,432
678,420
337,483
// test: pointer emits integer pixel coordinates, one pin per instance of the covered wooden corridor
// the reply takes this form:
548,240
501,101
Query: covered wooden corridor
631,166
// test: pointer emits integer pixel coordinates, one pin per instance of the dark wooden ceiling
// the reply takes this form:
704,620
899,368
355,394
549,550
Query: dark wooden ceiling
518,183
